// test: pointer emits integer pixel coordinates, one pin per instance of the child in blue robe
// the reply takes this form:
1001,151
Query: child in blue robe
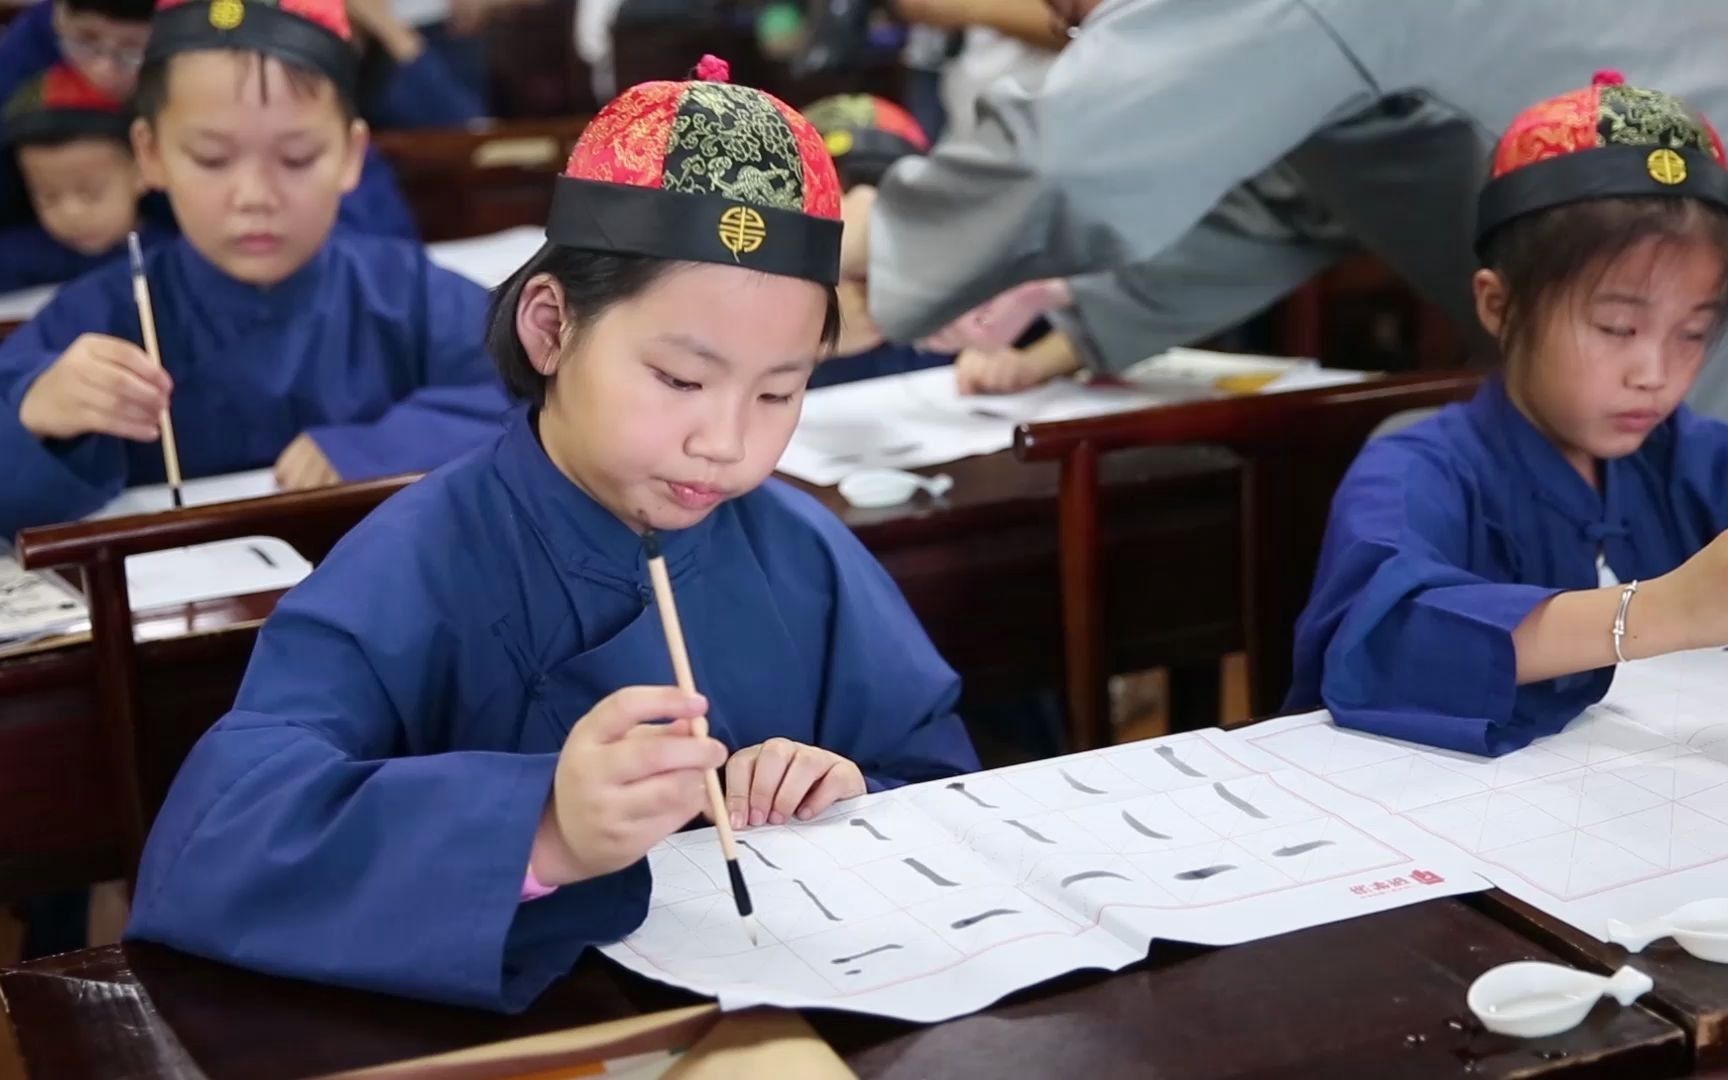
69,140
329,355
865,135
442,773
105,41
1484,569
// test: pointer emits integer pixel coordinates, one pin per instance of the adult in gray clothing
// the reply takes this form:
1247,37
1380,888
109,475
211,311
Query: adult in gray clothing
1384,113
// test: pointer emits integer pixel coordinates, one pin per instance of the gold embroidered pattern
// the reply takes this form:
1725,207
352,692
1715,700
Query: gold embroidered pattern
1630,116
742,230
729,141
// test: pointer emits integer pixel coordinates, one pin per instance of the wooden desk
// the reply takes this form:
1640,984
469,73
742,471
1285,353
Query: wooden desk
1374,997
1691,992
980,571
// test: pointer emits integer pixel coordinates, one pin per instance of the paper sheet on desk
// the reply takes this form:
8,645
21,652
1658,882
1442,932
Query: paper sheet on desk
937,899
240,567
39,605
21,306
154,498
488,260
207,571
1624,814
910,421
34,606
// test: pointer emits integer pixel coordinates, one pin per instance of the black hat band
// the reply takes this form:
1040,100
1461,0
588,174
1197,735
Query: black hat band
1603,173
629,220
253,27
53,125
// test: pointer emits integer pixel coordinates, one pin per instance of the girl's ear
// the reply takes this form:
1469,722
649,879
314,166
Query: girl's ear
540,322
1490,289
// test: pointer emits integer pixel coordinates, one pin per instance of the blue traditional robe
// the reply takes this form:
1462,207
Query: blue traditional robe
370,348
422,93
884,359
1445,536
29,257
365,814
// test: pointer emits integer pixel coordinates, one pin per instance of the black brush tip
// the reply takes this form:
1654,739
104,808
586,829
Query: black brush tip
740,892
179,499
651,543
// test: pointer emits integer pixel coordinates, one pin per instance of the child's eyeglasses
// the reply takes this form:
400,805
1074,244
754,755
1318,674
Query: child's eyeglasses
90,49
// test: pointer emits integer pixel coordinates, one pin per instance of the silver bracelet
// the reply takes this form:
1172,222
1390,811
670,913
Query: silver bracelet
1626,596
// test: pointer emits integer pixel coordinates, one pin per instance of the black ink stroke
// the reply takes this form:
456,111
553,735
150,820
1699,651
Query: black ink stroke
933,876
961,788
1029,831
972,920
867,827
1203,873
814,899
1088,875
862,955
1135,824
766,861
1170,758
1239,803
1301,849
1078,786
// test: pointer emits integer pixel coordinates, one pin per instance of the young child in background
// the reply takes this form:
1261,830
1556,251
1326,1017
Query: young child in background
332,355
70,143
865,135
441,776
1479,566
105,41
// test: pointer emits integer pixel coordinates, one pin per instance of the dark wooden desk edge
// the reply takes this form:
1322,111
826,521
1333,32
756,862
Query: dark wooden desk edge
116,985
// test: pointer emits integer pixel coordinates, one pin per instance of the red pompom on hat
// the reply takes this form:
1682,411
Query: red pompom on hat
62,104
312,34
1606,140
705,171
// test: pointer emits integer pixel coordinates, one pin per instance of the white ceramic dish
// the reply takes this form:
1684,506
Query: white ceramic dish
870,489
1701,928
1530,999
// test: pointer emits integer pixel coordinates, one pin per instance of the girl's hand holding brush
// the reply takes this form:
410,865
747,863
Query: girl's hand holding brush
623,784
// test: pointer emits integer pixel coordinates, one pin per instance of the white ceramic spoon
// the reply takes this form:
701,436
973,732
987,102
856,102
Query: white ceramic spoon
1531,999
870,489
1701,928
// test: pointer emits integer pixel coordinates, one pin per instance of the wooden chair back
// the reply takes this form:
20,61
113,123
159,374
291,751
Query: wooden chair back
142,747
1295,448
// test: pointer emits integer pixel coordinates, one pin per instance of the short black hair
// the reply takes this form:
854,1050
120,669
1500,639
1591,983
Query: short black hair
1542,256
151,95
138,11
593,281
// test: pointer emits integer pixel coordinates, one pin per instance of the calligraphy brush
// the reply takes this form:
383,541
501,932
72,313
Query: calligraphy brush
687,683
147,320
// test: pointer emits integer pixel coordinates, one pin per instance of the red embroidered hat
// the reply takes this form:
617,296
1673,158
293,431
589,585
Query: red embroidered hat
1607,140
704,171
866,134
62,104
311,34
